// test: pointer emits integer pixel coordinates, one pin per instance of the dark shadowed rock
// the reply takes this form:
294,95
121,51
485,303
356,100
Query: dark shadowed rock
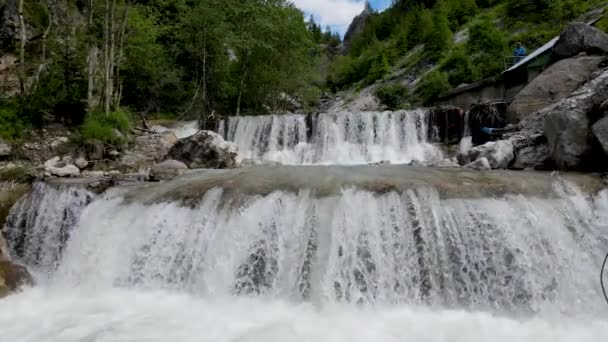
567,125
600,130
12,277
553,85
580,37
205,150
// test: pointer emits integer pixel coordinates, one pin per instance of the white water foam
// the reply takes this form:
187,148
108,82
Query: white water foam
345,138
121,315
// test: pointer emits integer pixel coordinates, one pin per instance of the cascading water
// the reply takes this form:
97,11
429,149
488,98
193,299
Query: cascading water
345,138
298,265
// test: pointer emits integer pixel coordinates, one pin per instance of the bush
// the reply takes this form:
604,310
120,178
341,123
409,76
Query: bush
459,67
108,129
11,124
393,96
434,84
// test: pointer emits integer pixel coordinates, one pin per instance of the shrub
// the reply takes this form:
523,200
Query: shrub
108,129
434,84
459,67
393,96
11,124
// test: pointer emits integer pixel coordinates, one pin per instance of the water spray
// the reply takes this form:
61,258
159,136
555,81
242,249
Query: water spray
602,278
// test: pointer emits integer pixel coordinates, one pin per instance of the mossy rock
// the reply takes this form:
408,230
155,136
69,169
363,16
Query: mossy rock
12,277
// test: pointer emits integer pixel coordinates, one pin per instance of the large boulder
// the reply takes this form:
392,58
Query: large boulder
12,277
167,170
600,131
567,125
553,85
499,155
531,152
205,150
580,37
148,150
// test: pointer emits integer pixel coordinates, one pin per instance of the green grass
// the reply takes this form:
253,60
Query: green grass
111,129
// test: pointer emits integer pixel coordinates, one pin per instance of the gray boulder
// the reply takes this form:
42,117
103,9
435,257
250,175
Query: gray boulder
568,128
166,170
205,150
600,130
580,37
498,154
553,85
531,152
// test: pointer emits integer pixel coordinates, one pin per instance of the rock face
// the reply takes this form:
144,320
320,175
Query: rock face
531,152
567,125
57,167
580,37
600,130
357,25
12,277
148,150
480,164
205,150
498,154
166,170
553,85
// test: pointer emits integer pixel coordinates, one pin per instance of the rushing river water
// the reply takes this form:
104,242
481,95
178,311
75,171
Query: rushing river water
314,254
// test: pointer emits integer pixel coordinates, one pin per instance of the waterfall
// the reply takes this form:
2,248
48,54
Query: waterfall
345,138
40,223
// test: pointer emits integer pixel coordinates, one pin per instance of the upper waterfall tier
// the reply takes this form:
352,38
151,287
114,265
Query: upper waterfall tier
345,138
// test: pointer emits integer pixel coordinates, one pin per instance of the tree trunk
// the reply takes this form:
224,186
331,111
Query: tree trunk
119,59
42,66
90,60
112,57
106,59
23,40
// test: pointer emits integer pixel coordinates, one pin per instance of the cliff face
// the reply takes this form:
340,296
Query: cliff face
8,23
357,25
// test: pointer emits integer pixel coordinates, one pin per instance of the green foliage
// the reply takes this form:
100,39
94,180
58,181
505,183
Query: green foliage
108,129
378,68
487,48
440,37
459,68
12,125
393,96
434,84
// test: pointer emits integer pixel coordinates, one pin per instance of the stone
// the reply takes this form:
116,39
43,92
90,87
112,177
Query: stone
480,164
578,38
553,85
499,154
81,162
13,277
56,167
59,141
93,174
148,150
600,131
167,170
258,162
205,150
5,149
531,152
567,126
